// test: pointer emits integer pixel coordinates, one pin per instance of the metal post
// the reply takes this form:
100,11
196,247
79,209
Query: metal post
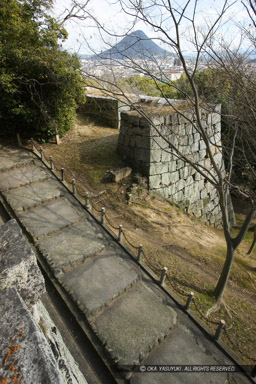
102,215
189,300
62,174
129,198
32,144
87,205
73,186
219,330
51,163
140,253
120,233
19,140
163,275
41,153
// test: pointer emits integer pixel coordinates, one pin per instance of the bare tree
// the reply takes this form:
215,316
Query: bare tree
175,24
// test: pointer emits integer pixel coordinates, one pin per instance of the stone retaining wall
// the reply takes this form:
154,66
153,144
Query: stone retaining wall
103,110
169,176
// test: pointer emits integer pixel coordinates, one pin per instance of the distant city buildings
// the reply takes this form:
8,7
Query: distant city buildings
165,70
169,69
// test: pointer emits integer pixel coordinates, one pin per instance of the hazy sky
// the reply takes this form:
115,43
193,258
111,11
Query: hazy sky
84,33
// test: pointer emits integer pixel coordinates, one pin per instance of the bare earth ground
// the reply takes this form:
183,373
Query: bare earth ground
193,252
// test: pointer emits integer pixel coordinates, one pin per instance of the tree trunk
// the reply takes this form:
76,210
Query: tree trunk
253,243
220,287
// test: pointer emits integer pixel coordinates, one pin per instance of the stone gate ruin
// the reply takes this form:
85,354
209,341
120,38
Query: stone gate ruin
150,154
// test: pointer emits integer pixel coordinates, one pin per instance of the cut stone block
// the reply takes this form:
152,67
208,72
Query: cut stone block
32,195
120,174
158,168
134,323
188,346
18,265
24,351
50,218
72,245
155,181
14,158
21,176
97,281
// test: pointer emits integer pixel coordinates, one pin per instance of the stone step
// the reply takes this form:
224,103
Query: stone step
72,245
99,280
187,348
50,218
14,158
32,195
132,325
17,177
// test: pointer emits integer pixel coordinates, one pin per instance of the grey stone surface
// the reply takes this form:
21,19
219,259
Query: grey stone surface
100,279
31,359
20,176
187,346
155,155
14,158
158,168
134,323
142,154
68,367
72,245
18,265
32,195
120,174
103,110
155,181
50,217
166,156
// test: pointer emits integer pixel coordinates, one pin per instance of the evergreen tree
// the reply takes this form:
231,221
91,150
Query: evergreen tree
40,84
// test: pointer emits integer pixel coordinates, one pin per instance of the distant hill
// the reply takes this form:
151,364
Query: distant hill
136,45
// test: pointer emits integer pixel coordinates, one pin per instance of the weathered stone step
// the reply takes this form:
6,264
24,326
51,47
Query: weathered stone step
14,158
99,280
132,325
72,245
187,346
50,218
32,195
17,177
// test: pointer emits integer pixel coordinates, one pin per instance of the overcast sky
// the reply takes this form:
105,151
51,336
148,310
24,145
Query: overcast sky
84,33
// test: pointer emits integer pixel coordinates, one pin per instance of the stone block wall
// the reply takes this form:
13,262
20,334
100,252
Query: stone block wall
103,110
149,153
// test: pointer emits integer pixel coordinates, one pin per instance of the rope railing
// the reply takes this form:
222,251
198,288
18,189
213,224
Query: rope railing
161,272
129,242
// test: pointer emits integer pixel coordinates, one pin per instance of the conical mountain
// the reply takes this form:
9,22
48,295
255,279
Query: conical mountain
136,45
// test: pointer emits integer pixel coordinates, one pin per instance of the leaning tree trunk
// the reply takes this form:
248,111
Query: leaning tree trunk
253,242
221,285
232,244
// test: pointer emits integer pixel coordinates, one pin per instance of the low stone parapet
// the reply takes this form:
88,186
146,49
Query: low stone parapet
18,265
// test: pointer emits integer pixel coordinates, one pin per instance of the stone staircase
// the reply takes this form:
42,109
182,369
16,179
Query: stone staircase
134,321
